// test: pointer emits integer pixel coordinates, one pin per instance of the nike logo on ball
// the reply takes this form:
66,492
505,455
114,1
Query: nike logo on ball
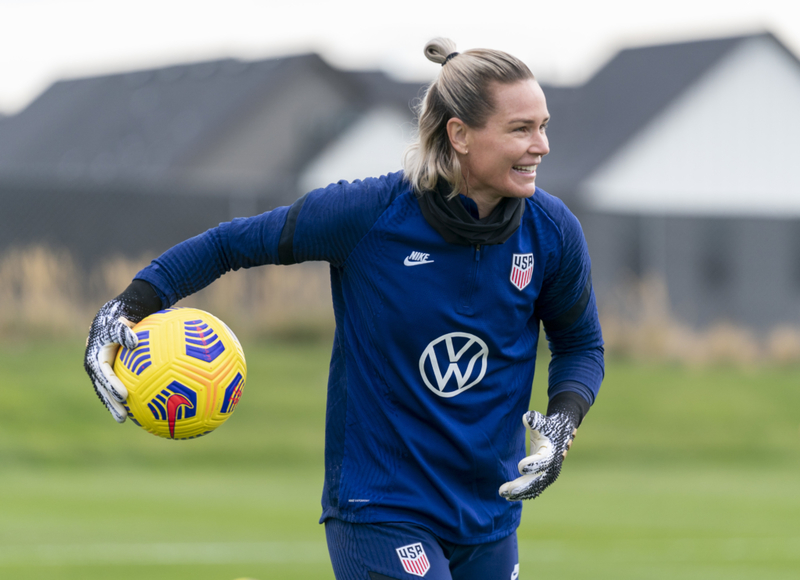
417,258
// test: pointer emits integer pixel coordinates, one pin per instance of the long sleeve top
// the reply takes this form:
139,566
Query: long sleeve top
435,344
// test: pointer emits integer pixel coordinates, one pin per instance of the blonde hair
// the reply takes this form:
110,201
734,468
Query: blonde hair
462,90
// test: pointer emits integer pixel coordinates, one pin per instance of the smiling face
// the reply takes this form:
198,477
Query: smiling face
500,159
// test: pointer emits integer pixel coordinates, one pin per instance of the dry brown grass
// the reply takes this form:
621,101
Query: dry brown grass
638,324
43,293
39,292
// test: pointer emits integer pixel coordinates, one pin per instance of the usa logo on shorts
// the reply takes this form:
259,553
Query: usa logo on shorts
414,559
522,270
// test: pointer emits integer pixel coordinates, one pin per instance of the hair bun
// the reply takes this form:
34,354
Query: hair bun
437,49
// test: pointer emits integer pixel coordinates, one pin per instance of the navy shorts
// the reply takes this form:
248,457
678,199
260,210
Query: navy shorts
401,551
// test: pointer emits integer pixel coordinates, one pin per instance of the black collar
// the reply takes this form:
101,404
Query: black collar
455,224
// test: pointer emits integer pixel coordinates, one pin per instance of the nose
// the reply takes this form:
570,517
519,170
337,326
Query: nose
539,145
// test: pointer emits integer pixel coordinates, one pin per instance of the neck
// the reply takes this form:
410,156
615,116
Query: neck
485,203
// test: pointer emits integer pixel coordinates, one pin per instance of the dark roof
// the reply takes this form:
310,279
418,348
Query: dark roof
137,123
379,89
591,122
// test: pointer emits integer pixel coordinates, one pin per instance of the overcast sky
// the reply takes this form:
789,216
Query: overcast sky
561,40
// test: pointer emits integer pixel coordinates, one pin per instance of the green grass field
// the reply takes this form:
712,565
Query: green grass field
676,473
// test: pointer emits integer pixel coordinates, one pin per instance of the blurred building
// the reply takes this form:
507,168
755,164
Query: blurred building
133,163
676,158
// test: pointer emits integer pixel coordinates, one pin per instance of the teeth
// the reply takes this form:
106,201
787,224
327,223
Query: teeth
527,168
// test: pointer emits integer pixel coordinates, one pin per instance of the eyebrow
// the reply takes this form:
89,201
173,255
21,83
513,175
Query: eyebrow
528,121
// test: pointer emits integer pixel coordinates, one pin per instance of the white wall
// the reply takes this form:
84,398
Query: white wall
373,146
730,145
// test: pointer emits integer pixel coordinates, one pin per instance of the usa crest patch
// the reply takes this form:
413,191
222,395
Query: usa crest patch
521,270
414,559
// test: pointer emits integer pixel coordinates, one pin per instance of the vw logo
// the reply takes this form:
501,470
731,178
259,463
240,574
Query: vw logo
463,358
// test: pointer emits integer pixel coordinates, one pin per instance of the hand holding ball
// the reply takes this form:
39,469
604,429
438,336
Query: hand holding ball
186,375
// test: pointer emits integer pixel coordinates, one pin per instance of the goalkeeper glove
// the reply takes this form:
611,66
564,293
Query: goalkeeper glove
551,437
110,329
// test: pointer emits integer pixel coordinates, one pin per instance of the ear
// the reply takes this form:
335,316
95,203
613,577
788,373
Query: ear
458,133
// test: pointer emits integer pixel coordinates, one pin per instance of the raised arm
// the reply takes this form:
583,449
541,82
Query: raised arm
324,225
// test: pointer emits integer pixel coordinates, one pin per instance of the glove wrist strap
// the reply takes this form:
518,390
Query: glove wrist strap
140,300
571,404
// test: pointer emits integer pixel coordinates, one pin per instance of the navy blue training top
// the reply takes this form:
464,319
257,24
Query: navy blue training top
435,344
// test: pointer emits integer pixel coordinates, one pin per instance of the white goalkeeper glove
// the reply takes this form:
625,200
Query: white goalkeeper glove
551,438
111,328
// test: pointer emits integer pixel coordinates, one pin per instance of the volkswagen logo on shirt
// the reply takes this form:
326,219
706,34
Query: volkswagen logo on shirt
453,363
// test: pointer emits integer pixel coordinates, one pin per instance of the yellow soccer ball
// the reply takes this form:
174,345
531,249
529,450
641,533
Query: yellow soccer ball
185,377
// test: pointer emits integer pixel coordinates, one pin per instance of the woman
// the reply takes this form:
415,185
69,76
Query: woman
440,275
